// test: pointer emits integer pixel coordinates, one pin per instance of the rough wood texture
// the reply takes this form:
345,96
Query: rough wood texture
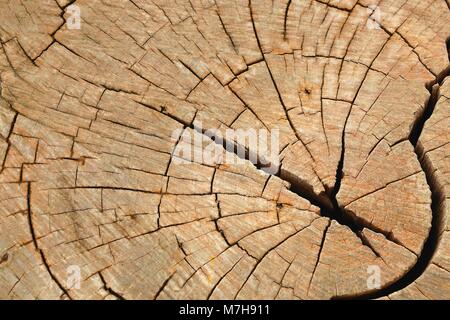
87,122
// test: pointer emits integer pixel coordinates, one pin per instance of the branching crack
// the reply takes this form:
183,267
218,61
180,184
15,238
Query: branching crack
437,196
326,201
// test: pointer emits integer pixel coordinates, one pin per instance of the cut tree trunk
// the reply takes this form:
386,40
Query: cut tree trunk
92,119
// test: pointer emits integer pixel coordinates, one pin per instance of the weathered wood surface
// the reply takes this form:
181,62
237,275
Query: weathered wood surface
87,122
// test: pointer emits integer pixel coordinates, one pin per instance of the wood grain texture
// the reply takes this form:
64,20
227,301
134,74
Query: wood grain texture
91,119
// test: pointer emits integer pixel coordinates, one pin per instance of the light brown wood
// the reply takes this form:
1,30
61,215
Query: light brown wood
92,121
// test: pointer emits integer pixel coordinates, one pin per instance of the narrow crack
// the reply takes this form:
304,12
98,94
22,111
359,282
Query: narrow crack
223,277
286,18
268,252
8,138
109,289
288,118
40,251
163,286
52,35
319,254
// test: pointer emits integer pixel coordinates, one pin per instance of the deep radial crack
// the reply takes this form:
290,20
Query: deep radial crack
327,201
330,208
